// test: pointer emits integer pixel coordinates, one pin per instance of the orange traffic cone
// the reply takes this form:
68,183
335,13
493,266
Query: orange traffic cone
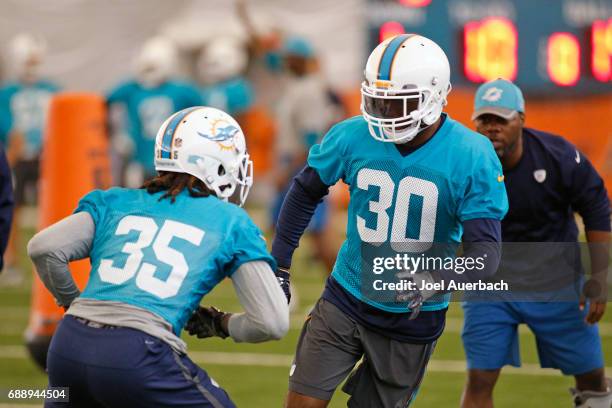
74,161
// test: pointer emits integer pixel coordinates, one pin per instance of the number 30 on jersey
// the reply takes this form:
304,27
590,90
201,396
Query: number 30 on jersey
407,187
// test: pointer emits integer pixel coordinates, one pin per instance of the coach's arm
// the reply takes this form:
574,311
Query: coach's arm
590,199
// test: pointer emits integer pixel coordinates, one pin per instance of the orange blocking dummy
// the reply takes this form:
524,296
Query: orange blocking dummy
74,161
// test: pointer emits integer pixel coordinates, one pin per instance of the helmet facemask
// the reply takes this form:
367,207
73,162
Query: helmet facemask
224,178
245,178
399,115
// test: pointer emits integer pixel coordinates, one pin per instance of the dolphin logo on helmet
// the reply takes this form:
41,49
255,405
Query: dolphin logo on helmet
222,134
223,170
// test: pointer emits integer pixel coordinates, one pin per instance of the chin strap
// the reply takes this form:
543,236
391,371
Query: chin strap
422,127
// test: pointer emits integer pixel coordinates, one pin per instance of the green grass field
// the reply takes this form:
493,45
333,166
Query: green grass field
256,375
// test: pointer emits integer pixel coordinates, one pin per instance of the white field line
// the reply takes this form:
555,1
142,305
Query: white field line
284,361
453,325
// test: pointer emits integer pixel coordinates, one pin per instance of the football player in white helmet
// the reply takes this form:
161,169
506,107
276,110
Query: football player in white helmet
139,106
221,67
156,62
23,108
422,188
158,250
26,55
221,59
405,88
209,146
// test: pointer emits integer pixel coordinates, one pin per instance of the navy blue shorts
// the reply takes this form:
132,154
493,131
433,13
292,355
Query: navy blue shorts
564,340
122,367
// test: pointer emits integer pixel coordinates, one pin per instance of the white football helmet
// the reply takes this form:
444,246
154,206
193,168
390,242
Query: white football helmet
26,55
208,144
407,80
156,62
222,59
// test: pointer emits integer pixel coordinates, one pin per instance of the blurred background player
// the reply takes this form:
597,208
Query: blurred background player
287,75
305,108
547,179
23,107
221,66
403,141
155,252
264,38
304,113
145,102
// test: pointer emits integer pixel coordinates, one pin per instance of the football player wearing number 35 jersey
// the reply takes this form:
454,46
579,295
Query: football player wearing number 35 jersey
415,176
155,252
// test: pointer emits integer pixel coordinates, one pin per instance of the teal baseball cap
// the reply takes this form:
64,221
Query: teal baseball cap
499,97
298,46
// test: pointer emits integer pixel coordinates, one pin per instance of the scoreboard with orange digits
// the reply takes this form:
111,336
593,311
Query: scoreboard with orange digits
546,46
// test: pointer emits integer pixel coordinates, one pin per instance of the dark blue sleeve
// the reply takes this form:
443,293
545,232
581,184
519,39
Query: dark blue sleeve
481,230
6,204
588,194
481,238
306,192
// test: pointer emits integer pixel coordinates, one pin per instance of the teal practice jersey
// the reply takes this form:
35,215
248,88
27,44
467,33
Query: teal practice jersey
234,96
23,109
164,257
410,202
147,109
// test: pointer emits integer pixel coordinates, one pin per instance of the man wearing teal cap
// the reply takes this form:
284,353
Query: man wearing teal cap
547,179
304,113
502,102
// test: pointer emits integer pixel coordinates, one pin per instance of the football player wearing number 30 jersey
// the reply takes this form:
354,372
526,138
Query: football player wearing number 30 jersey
155,252
416,178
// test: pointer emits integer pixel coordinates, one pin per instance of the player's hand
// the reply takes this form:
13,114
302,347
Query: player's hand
596,312
63,306
415,297
284,280
414,300
207,322
595,292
